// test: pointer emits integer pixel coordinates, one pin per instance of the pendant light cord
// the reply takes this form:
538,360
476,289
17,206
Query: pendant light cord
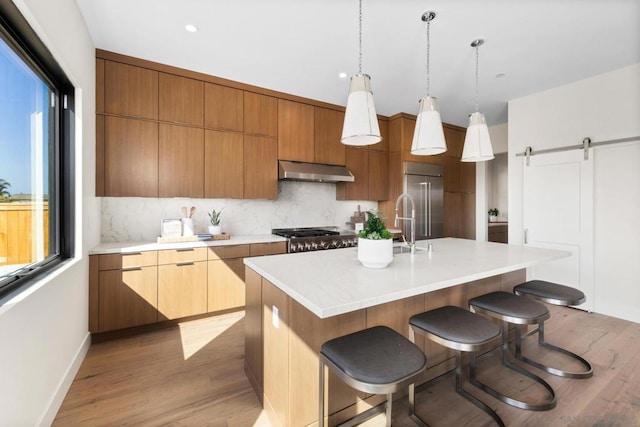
360,39
477,85
428,58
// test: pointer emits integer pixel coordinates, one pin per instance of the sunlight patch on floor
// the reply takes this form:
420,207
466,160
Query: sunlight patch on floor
196,334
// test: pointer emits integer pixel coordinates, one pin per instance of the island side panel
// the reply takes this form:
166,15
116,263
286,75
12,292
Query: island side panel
253,352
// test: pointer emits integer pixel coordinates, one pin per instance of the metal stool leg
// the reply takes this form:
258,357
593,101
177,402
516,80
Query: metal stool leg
544,406
462,392
565,374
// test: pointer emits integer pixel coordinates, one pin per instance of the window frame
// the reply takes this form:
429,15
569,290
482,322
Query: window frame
16,32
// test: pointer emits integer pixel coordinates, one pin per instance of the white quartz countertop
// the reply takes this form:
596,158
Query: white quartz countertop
333,282
127,247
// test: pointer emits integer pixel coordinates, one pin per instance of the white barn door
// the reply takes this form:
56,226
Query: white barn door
558,214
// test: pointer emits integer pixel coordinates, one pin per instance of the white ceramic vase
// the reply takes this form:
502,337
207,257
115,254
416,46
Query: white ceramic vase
187,226
215,229
375,253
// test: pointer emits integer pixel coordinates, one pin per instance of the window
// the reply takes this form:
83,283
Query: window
36,186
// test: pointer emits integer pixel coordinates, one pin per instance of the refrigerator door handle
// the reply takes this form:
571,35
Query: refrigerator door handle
427,208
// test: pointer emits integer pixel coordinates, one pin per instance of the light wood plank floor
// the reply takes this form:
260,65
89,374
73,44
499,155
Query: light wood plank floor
192,375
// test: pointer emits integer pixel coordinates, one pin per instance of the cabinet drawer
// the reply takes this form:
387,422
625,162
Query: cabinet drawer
259,249
127,260
175,256
233,251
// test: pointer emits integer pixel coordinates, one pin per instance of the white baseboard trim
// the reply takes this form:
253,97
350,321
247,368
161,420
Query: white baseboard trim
65,383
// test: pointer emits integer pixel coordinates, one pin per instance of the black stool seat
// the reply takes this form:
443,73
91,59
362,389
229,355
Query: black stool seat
372,356
510,308
461,330
555,294
551,293
376,360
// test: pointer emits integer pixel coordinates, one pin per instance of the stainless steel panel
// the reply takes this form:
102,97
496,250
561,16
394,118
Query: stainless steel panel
428,195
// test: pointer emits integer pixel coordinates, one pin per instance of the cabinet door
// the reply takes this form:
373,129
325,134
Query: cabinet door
130,91
384,132
130,158
223,107
260,168
378,175
100,155
225,278
358,165
182,290
181,100
260,114
295,131
328,130
223,165
455,141
127,297
99,85
181,161
273,248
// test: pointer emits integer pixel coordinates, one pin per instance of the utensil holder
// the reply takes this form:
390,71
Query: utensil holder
187,227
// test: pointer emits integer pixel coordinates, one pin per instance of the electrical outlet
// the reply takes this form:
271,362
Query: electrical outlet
274,317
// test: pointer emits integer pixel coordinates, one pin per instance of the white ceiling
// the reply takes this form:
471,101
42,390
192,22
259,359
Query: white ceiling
300,46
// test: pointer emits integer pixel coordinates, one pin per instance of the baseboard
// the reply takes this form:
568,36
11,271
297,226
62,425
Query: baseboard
65,383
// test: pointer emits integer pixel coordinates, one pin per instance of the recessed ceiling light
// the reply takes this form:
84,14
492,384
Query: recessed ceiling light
500,75
191,28
342,75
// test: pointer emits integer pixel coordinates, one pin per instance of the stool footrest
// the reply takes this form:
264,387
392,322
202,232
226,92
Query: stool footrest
588,373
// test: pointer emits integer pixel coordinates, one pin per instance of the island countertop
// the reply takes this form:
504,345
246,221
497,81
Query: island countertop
333,282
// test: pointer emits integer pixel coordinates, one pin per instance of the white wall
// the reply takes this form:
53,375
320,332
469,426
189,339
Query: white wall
44,331
299,204
603,107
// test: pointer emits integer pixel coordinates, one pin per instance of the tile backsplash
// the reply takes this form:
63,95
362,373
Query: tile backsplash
299,204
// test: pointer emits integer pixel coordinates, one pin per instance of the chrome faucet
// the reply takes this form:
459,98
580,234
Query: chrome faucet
412,218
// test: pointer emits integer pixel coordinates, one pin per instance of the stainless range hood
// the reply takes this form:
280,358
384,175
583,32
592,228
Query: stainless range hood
316,172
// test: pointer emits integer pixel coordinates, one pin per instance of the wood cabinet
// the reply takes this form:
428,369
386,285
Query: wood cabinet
180,100
100,155
498,232
370,169
123,291
182,283
100,85
327,133
130,91
260,114
223,107
225,277
223,165
260,169
273,248
295,131
181,161
378,175
130,157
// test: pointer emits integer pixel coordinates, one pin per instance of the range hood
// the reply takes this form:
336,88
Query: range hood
300,171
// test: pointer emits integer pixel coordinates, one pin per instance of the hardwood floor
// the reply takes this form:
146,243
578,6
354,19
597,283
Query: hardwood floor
192,375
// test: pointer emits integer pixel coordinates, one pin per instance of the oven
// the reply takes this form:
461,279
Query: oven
308,239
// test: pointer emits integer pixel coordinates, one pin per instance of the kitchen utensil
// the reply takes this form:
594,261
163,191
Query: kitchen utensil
184,211
192,211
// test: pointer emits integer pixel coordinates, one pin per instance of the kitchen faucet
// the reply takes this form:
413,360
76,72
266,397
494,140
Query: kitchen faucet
412,218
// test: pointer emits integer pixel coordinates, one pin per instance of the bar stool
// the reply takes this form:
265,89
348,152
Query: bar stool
460,330
555,294
376,360
510,308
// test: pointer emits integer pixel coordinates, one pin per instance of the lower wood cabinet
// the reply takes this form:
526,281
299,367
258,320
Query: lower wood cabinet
127,290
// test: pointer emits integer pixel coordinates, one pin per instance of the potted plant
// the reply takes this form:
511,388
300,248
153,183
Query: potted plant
375,244
214,217
493,214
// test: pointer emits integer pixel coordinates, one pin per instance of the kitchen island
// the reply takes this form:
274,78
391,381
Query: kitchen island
295,302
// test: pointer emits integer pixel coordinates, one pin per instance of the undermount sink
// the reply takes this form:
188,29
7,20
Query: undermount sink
405,249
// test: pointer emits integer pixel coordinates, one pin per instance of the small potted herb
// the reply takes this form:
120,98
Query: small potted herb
214,217
493,214
375,243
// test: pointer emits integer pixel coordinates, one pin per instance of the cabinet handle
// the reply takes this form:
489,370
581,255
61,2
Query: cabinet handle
185,250
132,253
132,269
183,264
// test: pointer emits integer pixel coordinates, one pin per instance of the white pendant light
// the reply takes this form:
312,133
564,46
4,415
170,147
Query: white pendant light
428,136
360,120
477,144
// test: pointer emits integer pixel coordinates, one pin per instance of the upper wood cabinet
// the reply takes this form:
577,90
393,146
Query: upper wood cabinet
260,114
295,131
378,175
357,161
130,158
99,85
181,161
384,133
130,91
99,155
223,165
223,108
181,100
260,167
328,131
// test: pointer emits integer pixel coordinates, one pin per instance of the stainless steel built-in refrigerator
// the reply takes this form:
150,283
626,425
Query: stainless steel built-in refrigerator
424,183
